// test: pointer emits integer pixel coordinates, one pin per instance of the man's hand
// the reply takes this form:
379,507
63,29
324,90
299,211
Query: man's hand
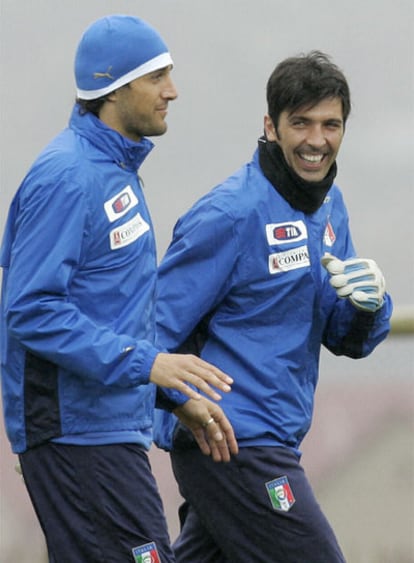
176,371
210,427
358,279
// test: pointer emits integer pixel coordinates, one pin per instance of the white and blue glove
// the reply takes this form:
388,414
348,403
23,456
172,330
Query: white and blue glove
358,279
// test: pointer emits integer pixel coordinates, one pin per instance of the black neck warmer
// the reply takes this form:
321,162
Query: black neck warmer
300,194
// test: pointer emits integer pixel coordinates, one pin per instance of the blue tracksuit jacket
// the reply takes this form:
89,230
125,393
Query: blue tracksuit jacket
248,264
77,310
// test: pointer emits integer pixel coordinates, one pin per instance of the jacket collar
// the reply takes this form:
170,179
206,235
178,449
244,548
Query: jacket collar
126,153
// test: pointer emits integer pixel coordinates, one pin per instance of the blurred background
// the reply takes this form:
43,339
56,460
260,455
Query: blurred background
359,454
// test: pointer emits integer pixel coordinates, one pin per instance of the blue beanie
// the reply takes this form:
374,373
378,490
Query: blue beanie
115,50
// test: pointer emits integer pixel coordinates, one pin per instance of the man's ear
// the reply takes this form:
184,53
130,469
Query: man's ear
269,128
112,96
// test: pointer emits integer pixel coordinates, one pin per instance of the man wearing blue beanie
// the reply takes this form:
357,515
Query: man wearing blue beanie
81,370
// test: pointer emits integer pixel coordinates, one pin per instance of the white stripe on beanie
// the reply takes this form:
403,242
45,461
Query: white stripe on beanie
156,63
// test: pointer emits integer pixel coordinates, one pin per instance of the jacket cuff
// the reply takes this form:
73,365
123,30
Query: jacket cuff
169,399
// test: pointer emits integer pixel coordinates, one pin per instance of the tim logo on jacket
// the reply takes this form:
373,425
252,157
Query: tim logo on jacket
283,233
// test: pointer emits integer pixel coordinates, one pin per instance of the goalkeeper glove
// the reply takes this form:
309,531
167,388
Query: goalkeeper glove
358,279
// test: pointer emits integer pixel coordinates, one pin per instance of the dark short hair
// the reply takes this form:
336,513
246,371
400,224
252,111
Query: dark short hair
304,81
91,106
95,106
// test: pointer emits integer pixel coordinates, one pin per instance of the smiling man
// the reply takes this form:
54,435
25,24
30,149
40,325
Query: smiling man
309,137
260,274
